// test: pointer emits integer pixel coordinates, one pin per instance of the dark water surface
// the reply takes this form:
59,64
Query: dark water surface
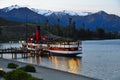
100,59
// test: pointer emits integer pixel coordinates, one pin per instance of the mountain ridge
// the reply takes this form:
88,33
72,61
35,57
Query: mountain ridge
109,22
42,11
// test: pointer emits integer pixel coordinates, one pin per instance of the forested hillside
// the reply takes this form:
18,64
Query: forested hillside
20,31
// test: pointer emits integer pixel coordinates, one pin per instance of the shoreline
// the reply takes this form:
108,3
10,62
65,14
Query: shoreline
45,72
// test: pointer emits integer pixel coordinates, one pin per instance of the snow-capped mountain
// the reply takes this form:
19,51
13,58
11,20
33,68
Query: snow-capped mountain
46,12
64,12
42,12
74,13
7,9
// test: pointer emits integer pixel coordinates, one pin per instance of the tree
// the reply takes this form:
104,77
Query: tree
46,24
0,30
58,22
100,33
81,33
70,21
90,34
73,30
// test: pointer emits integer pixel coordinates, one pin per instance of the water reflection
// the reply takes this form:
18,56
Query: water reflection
67,64
74,65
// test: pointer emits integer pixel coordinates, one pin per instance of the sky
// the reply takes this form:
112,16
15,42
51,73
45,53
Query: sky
109,6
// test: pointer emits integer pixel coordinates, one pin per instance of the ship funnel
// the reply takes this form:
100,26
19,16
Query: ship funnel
37,36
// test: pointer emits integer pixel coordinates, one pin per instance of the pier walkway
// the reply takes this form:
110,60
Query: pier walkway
23,52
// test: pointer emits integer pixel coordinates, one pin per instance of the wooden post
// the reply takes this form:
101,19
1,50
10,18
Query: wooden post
25,55
15,55
12,55
22,55
1,55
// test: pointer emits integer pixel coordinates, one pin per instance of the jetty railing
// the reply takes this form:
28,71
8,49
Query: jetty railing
23,52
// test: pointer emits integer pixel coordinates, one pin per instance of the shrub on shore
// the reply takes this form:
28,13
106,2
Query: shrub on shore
2,73
12,65
28,68
19,75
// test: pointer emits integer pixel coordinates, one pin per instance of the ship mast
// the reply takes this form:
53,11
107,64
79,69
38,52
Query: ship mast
26,28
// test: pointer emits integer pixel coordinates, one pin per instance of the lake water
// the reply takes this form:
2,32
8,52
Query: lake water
100,59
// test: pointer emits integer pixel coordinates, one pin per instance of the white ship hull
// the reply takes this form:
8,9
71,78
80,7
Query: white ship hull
65,53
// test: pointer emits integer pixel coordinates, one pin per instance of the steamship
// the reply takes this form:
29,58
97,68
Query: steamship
65,48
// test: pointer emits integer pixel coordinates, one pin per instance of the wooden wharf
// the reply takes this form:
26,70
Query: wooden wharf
23,52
